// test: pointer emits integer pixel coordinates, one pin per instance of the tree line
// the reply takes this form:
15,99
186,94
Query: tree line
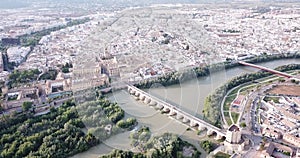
177,77
20,77
56,134
33,38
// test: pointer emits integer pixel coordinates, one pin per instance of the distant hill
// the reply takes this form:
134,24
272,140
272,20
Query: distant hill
12,4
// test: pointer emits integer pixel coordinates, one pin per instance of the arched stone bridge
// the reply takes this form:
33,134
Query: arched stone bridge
176,112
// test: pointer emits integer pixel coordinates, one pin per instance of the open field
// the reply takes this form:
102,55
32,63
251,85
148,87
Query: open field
285,90
228,101
221,155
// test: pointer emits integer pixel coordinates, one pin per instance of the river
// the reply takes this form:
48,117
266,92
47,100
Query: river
188,96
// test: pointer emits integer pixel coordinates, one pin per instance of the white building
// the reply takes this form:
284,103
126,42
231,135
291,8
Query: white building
17,54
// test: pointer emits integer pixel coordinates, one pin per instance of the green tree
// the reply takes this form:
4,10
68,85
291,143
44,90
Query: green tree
207,146
26,105
24,149
243,124
65,70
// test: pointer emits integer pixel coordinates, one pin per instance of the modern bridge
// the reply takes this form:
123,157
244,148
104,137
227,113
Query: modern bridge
267,69
174,111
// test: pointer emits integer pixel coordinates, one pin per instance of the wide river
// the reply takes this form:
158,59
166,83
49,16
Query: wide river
188,96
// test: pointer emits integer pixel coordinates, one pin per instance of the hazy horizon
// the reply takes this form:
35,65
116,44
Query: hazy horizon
14,4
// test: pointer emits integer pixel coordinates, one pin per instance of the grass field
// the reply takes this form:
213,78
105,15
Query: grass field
228,102
275,99
226,114
286,90
235,116
221,155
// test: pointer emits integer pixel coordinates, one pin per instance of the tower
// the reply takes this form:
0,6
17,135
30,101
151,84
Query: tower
234,134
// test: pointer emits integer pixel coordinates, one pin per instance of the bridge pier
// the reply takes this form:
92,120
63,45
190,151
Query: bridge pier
159,106
201,128
185,120
136,98
129,89
179,116
137,94
147,100
142,97
193,124
132,92
153,103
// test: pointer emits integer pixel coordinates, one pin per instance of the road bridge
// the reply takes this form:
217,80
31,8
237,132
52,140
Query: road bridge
267,69
179,114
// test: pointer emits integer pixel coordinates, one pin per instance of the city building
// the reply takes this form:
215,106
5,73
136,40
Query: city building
58,86
298,153
88,78
15,98
238,101
271,133
17,54
109,66
277,150
295,140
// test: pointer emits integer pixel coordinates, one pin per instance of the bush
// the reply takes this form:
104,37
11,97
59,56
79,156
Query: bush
243,124
127,124
207,146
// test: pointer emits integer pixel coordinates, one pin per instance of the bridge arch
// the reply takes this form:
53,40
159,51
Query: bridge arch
137,94
166,109
186,119
193,123
211,132
196,126
220,137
